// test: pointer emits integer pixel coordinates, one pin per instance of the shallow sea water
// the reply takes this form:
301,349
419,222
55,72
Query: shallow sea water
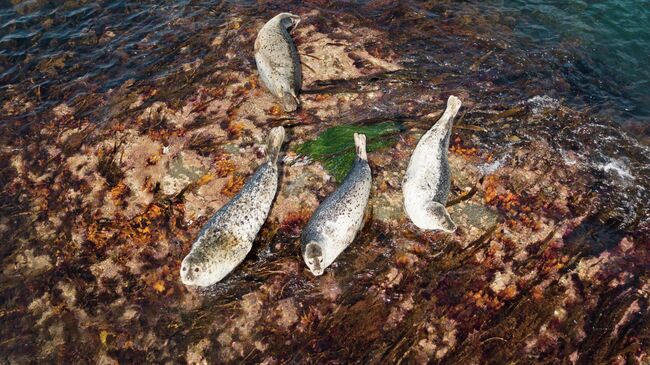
600,47
593,54
125,125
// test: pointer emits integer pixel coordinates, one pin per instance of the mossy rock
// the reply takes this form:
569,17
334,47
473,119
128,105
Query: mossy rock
334,148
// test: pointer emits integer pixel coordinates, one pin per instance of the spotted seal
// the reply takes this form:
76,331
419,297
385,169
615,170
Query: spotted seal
228,236
277,59
427,180
340,216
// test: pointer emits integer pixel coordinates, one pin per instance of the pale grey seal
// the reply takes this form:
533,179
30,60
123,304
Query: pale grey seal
427,180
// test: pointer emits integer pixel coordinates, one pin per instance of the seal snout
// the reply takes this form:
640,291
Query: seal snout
317,271
190,271
448,225
314,258
186,274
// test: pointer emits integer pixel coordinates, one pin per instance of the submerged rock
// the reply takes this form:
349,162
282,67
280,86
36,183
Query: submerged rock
182,170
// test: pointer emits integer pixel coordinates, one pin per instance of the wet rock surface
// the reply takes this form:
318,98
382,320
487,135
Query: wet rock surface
98,208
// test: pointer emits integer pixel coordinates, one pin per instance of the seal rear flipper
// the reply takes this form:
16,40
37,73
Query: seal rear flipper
452,108
360,145
446,120
289,102
274,143
453,105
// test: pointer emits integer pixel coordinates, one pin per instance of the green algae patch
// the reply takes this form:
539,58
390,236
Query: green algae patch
334,148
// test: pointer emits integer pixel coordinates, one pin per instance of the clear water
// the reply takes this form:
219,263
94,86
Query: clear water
602,48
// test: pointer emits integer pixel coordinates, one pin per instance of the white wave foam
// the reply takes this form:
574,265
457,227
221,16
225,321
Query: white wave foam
491,167
617,166
540,102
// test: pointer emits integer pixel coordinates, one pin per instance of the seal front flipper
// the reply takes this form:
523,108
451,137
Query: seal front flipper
265,70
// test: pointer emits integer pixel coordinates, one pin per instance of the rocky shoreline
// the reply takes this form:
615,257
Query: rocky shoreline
549,264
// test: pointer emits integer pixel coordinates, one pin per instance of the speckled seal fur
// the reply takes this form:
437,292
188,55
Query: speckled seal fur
277,59
428,179
340,216
228,236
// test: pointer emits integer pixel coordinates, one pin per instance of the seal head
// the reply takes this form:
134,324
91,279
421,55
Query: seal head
288,20
209,263
314,258
194,271
435,217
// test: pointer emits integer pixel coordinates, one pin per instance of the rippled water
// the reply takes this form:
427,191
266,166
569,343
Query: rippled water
593,54
64,53
601,47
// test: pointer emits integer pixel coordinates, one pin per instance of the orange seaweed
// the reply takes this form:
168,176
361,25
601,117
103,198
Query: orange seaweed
224,167
233,185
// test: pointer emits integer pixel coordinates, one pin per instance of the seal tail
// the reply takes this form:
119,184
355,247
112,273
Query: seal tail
274,143
289,102
360,145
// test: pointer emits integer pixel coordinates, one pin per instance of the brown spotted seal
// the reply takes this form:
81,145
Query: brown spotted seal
228,236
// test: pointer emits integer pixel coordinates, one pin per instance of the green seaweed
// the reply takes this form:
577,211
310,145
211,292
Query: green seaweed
334,148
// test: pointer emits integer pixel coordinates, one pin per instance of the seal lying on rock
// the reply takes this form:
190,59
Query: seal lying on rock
228,236
427,180
277,59
340,216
